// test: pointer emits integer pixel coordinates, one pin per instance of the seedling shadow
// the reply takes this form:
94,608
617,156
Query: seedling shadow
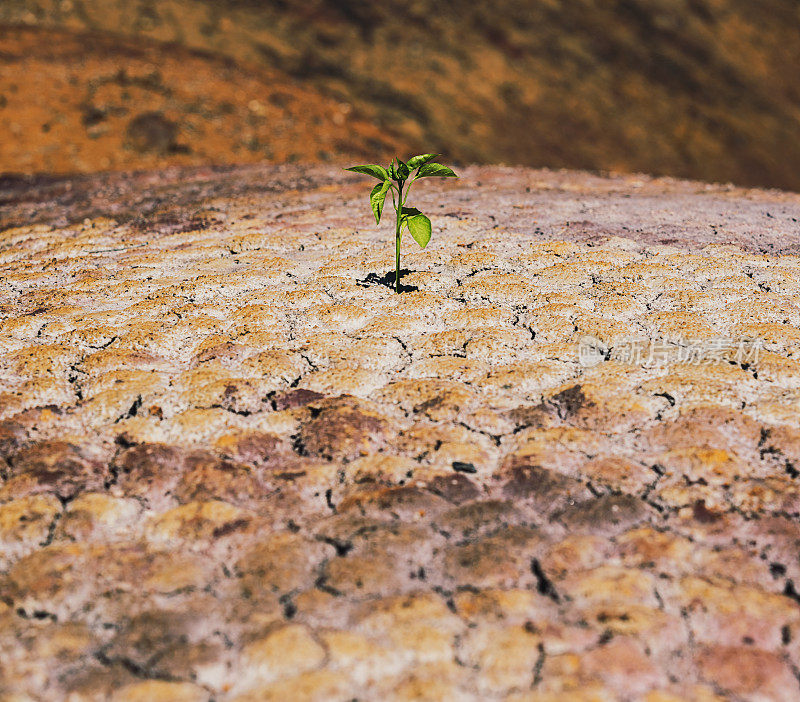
388,281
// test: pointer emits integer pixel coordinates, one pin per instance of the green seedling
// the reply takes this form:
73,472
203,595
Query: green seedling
397,179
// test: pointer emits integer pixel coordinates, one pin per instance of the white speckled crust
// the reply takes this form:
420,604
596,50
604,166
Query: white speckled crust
231,468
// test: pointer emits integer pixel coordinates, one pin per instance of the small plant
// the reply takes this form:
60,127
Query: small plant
397,180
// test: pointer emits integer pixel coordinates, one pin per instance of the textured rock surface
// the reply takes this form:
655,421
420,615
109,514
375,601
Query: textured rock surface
230,469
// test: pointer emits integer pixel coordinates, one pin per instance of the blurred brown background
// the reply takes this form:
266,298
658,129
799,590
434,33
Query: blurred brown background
706,89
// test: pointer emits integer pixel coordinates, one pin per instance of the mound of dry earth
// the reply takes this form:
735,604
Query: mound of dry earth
83,102
234,470
704,89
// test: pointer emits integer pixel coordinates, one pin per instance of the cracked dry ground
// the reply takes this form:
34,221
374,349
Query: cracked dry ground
232,472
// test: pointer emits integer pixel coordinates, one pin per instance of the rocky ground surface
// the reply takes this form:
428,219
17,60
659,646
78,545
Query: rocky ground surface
235,469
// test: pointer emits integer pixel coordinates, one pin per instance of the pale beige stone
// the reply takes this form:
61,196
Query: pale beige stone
284,653
25,524
195,521
158,691
315,686
99,515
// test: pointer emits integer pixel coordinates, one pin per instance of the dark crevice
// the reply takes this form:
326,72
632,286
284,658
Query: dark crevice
313,366
669,398
463,467
241,413
544,585
777,570
537,668
597,493
496,440
37,614
289,607
104,346
133,668
329,499
789,591
342,547
133,411
72,379
51,530
298,446
321,584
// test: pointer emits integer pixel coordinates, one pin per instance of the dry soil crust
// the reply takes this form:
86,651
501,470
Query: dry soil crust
231,470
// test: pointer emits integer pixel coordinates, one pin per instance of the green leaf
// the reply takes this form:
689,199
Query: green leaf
392,171
406,214
402,170
417,161
436,170
419,226
378,172
377,198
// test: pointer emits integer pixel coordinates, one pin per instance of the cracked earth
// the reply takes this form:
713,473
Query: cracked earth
235,466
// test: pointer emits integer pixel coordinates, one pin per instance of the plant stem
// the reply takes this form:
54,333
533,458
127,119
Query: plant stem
399,212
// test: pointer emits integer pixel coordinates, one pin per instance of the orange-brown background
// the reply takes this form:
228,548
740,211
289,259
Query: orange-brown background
706,89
